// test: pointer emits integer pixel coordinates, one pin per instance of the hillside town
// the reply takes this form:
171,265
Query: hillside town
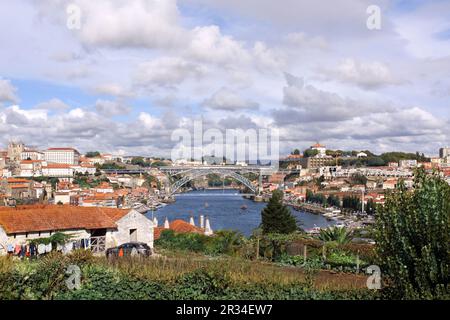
62,175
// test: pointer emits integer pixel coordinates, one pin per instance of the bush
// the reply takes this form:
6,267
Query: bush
413,238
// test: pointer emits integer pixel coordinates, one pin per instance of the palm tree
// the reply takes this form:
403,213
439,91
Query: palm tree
336,234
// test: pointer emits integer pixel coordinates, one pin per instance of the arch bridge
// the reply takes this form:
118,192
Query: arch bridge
192,174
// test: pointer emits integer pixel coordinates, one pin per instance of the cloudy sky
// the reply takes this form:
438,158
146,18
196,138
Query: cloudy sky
136,70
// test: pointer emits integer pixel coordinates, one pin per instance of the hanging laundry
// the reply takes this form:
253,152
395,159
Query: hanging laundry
48,248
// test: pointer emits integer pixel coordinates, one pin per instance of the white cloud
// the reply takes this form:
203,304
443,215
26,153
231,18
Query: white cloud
301,40
367,75
8,93
111,108
229,100
167,71
133,23
53,105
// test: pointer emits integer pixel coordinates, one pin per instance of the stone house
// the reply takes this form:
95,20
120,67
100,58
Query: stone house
104,227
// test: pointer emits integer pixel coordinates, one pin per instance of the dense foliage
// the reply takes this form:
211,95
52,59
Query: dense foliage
413,238
157,279
223,242
277,217
336,234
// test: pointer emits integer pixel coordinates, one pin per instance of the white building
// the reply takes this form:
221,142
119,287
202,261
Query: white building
444,152
31,168
361,155
57,170
104,227
408,163
62,155
322,150
84,169
31,155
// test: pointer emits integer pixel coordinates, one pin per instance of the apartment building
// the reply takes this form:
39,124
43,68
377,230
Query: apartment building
62,155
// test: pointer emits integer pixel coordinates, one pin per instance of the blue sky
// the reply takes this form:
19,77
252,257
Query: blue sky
138,70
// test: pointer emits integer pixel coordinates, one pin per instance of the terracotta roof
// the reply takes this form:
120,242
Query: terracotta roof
17,180
30,161
19,186
178,226
58,166
57,217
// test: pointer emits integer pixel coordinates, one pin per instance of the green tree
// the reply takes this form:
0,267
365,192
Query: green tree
310,153
92,154
413,237
335,234
333,201
276,217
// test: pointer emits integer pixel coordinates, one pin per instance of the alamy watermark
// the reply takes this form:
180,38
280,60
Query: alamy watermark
73,282
73,17
373,22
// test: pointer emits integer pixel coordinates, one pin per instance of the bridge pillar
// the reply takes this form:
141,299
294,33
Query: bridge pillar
260,188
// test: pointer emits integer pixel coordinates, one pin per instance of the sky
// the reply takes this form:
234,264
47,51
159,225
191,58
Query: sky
137,70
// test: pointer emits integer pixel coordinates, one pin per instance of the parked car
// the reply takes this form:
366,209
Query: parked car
130,249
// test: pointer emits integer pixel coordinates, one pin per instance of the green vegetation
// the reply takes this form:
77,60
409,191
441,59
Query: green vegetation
315,197
215,180
308,153
413,238
335,234
140,161
276,217
333,201
223,242
179,277
110,166
92,154
352,202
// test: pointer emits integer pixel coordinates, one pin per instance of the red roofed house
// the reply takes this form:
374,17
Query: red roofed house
104,226
180,226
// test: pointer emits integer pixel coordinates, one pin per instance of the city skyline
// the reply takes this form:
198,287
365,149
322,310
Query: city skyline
313,71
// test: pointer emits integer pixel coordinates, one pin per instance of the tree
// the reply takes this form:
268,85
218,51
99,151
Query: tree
333,201
335,234
295,152
92,154
310,153
276,217
413,238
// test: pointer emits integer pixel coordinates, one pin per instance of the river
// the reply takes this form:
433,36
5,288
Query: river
223,207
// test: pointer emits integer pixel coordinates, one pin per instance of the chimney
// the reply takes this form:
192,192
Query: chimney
202,222
208,230
191,221
155,221
166,224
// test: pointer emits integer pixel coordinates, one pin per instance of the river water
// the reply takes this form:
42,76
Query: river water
223,207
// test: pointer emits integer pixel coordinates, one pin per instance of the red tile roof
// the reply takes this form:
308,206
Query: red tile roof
178,226
57,217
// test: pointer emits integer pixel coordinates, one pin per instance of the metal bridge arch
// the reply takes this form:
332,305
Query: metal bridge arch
197,173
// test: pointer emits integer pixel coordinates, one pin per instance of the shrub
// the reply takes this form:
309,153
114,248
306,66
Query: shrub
413,238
